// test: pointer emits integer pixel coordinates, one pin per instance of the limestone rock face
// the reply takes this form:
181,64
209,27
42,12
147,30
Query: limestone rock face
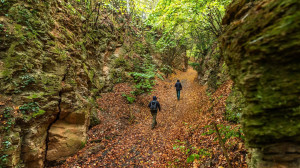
261,45
34,145
51,69
68,134
64,140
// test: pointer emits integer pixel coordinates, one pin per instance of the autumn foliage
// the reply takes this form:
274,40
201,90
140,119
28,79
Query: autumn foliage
184,136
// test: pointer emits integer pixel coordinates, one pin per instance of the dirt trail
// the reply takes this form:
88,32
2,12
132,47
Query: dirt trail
136,145
142,146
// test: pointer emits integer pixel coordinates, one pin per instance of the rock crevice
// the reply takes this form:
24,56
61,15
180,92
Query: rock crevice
46,164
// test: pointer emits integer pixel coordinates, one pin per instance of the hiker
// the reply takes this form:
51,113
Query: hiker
154,106
178,88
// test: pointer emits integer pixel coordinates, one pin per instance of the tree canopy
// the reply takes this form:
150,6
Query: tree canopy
195,24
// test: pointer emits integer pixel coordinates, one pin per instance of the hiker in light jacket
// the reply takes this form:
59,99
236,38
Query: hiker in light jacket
178,88
154,106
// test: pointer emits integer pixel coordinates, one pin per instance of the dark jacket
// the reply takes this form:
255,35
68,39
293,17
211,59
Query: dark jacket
157,103
178,86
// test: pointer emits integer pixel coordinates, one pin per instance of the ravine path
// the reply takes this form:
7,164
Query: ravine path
124,137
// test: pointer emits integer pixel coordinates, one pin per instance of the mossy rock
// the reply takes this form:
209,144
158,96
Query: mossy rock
261,47
235,104
94,119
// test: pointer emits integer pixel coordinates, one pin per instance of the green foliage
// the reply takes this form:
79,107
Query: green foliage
6,124
226,132
191,26
129,98
166,69
3,160
196,153
23,82
196,156
144,82
139,47
160,76
7,144
144,75
118,75
235,104
121,63
26,80
179,19
6,119
7,111
35,96
32,109
28,17
39,113
181,145
195,66
192,157
232,116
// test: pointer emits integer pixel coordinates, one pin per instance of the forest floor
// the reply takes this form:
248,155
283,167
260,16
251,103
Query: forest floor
184,136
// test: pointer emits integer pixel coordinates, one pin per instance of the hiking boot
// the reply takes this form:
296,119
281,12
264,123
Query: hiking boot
153,125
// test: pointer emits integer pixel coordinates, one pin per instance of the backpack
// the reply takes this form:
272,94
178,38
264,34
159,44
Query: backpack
153,105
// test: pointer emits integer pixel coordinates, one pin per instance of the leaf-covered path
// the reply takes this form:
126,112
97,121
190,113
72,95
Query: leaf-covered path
125,139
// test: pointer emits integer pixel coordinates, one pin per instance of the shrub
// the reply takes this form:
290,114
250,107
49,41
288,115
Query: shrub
144,75
144,82
166,69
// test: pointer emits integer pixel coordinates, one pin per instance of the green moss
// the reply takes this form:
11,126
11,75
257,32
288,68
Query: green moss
235,105
51,83
90,73
39,113
35,95
99,83
95,91
51,43
11,49
38,44
6,73
61,54
73,82
120,62
262,56
69,34
94,119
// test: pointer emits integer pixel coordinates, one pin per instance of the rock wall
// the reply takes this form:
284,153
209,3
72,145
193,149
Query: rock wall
261,45
51,68
212,70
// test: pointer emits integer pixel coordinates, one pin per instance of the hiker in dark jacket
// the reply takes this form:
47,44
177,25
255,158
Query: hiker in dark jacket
154,106
178,88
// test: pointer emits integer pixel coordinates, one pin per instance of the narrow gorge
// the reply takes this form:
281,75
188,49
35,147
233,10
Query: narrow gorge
76,78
